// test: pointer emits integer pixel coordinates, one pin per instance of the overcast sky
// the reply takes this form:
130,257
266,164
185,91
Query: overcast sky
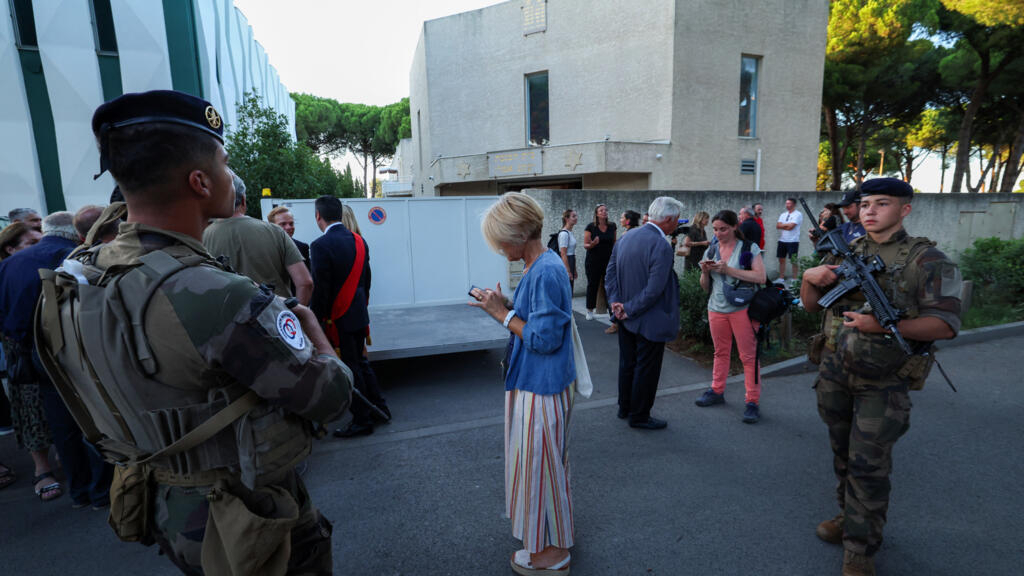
349,50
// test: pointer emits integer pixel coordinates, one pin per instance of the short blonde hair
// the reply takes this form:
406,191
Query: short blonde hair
701,216
348,218
514,219
276,212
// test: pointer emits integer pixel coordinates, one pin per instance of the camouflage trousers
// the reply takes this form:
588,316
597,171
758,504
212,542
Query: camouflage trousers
865,418
181,515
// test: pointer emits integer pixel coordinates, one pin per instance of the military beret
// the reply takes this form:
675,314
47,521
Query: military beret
850,197
886,187
157,106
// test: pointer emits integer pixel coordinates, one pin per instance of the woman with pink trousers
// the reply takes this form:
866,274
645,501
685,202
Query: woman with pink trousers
736,262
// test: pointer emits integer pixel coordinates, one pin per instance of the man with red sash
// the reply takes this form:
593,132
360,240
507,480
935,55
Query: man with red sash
341,287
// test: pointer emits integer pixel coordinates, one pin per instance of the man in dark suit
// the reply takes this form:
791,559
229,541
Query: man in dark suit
748,225
340,292
644,294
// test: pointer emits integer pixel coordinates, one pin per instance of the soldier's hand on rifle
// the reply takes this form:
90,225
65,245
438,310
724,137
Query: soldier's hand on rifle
866,323
821,276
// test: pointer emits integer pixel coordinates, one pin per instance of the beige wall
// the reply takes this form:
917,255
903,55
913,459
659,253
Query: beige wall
662,72
608,181
711,37
476,63
953,221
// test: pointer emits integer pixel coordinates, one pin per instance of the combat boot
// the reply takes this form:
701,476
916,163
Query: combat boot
857,564
831,531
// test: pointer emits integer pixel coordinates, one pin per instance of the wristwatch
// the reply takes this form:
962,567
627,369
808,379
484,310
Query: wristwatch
508,318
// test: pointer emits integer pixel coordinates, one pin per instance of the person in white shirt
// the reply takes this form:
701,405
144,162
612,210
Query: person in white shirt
789,240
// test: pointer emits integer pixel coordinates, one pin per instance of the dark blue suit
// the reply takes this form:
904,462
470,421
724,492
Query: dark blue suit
88,475
640,276
332,257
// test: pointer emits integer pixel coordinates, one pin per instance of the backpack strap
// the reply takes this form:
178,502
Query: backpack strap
208,429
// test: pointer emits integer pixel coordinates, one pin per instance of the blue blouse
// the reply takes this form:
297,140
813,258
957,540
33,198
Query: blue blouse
542,360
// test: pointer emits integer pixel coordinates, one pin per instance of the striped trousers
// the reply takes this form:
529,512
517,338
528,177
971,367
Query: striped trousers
538,498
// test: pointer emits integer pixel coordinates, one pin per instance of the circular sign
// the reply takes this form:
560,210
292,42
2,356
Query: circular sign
377,215
290,330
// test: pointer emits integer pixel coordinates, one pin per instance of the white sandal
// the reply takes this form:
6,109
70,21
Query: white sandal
521,565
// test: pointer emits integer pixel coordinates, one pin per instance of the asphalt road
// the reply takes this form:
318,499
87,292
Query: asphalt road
709,495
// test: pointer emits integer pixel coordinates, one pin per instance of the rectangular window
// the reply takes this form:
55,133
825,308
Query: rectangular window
537,127
24,24
748,96
103,26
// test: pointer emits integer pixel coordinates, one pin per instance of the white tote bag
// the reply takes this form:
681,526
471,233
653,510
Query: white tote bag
584,386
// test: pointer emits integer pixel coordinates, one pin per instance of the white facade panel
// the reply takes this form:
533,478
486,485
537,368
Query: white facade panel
67,49
142,45
209,31
19,166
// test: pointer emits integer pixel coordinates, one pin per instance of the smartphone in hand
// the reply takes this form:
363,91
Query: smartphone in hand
476,292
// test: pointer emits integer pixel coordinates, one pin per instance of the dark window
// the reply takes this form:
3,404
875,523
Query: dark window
24,24
748,97
103,26
537,126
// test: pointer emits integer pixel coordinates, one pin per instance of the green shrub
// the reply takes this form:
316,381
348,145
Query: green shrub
693,307
997,269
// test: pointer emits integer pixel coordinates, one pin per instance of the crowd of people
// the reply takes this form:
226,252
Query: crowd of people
243,327
864,405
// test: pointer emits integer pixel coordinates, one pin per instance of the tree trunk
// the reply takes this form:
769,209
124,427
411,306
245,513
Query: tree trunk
366,191
967,125
984,171
374,159
1012,170
832,127
963,143
862,140
942,176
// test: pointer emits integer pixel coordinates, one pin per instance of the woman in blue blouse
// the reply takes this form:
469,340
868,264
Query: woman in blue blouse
538,386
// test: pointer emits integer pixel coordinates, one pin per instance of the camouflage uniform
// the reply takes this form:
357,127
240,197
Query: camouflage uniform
863,379
210,328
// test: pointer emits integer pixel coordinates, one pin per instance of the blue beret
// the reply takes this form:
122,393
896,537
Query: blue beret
886,187
157,106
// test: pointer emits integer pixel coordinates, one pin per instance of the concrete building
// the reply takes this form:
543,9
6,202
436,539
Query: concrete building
660,94
60,59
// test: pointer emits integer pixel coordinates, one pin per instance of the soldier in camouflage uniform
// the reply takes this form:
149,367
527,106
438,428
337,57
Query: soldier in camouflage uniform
864,376
213,338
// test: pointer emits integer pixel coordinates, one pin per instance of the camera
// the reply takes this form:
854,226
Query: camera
681,228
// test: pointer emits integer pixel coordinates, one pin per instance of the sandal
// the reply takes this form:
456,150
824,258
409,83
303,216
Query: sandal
7,477
49,492
520,563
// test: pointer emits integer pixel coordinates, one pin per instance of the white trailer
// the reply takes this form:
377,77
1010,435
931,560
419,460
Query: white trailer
425,253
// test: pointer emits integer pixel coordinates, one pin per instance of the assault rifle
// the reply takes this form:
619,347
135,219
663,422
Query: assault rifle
815,231
855,273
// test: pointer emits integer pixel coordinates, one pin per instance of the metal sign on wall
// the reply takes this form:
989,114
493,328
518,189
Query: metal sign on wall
515,163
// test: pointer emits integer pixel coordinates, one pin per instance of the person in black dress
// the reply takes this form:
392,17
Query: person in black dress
598,239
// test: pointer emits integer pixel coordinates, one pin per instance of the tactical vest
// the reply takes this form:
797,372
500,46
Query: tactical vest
878,355
92,341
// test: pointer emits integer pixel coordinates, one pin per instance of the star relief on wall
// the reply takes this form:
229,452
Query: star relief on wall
464,170
573,159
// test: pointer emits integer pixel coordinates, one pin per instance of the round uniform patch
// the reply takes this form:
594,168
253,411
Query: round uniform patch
290,330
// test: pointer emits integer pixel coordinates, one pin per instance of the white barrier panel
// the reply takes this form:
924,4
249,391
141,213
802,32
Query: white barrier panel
423,251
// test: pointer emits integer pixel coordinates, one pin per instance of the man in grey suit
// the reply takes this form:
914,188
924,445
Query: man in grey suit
644,294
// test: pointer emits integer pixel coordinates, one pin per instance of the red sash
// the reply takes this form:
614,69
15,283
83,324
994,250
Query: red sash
343,300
